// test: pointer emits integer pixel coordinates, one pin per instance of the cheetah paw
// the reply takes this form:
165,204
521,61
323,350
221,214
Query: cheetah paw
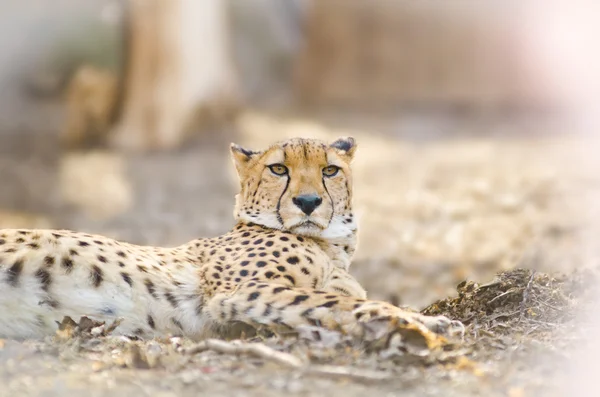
436,330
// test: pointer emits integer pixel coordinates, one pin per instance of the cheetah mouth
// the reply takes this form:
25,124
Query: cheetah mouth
307,227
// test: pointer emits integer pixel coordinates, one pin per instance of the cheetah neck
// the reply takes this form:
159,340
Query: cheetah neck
339,249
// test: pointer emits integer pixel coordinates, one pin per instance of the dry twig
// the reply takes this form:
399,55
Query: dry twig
348,372
254,349
526,296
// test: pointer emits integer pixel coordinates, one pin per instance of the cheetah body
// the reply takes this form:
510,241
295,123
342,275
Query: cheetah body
284,264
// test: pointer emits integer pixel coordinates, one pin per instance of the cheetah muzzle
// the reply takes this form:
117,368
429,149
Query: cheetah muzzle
284,265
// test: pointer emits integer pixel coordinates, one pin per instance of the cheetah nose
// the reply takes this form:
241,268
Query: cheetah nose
307,202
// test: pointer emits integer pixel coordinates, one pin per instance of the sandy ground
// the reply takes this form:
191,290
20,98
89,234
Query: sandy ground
441,199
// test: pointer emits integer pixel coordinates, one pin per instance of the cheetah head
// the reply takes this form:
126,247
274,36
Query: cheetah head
303,186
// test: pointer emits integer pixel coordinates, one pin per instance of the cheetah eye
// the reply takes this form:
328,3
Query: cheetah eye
278,169
331,170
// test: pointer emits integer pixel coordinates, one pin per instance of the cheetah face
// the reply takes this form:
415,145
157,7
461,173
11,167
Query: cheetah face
301,185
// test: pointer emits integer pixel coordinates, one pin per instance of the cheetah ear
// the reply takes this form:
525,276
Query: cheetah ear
345,146
241,157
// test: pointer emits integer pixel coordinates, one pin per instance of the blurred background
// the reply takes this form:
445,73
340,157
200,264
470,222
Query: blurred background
476,123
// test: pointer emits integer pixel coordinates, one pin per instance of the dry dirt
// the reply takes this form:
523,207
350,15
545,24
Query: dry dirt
441,199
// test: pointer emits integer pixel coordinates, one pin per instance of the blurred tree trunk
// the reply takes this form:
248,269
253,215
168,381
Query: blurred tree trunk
179,64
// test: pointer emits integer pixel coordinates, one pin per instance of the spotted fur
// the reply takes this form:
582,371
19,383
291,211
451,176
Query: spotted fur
283,265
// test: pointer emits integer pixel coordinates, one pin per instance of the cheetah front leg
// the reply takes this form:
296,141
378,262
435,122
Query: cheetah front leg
279,307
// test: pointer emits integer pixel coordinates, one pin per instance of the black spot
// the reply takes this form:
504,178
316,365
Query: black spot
277,290
261,264
83,243
292,260
281,268
245,242
67,264
151,322
96,276
49,261
253,296
290,278
98,242
53,303
142,269
284,238
276,254
268,310
72,252
259,241
2,241
269,243
121,254
177,323
102,258
108,311
244,263
329,303
300,239
299,299
20,240
307,312
243,273
33,246
172,300
150,287
246,234
269,274
45,279
252,255
127,278
305,271
121,264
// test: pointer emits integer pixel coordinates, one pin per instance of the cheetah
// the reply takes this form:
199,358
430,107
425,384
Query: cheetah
283,265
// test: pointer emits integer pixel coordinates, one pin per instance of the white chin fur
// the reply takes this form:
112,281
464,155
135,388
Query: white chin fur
338,229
